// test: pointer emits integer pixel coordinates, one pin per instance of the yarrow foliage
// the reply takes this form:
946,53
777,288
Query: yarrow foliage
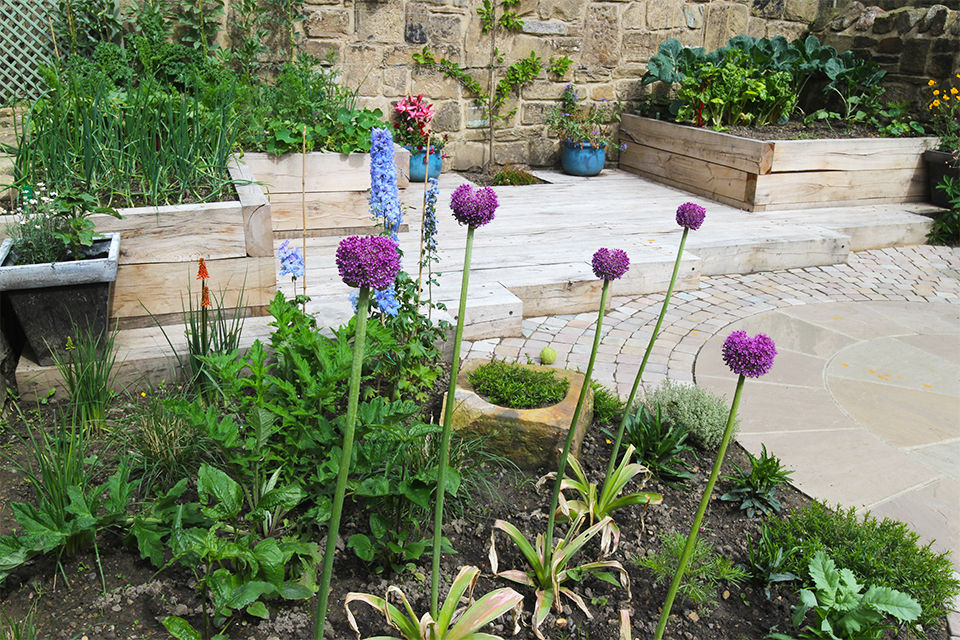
473,207
746,356
610,264
368,261
291,261
384,194
690,215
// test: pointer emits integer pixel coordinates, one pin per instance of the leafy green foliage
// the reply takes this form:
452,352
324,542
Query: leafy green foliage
24,629
579,125
513,176
660,445
840,609
608,408
946,224
756,490
766,559
517,386
558,67
88,374
704,573
883,552
703,414
80,25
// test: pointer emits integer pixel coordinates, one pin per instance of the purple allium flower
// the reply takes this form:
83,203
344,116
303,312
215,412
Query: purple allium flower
291,260
473,208
610,264
746,356
384,195
690,216
368,261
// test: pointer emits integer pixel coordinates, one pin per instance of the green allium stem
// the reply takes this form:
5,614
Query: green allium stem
333,529
445,436
555,495
643,363
698,519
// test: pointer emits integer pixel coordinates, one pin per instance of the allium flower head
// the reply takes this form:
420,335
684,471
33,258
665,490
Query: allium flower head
291,260
610,264
746,356
384,194
690,215
473,207
368,261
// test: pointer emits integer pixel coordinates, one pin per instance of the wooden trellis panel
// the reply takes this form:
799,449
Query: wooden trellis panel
25,45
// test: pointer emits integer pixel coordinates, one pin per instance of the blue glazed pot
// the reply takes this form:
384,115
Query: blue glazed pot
586,161
418,168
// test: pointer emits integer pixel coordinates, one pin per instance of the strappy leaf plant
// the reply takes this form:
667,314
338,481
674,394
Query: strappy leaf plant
599,503
450,623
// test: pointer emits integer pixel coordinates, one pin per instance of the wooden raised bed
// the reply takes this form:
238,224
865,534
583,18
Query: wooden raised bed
160,247
337,190
764,175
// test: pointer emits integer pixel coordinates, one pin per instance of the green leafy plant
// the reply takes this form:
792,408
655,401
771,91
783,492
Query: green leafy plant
944,106
24,629
756,490
599,503
884,552
705,571
559,66
608,408
946,224
702,413
660,445
446,625
766,561
842,610
80,25
517,386
514,176
580,126
89,373
549,572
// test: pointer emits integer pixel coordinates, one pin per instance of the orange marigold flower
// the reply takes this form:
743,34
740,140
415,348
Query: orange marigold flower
202,273
205,301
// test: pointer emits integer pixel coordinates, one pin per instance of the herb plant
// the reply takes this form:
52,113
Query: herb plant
766,560
839,608
660,445
581,126
516,386
513,176
702,413
88,372
756,490
607,405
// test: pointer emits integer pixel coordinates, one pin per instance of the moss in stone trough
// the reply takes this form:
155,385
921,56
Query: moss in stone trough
517,387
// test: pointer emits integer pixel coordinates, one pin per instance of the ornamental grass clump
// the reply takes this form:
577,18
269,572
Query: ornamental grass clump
748,358
370,263
548,563
473,208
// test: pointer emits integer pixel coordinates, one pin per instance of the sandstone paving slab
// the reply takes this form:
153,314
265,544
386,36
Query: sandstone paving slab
793,334
942,456
854,320
901,416
933,510
892,362
789,367
923,317
851,467
768,408
942,346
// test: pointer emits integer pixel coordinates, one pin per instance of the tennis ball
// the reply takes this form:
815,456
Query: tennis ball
548,356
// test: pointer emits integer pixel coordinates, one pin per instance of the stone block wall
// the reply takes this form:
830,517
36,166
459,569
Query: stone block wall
913,44
609,41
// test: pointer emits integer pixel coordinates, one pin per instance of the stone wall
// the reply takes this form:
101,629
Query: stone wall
913,44
609,42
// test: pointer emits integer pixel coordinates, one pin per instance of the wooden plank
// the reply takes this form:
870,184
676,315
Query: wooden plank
751,156
806,187
179,233
167,319
325,171
699,176
331,210
850,154
163,287
257,225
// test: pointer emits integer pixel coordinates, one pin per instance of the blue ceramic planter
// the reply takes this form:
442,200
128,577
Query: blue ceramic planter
586,161
418,168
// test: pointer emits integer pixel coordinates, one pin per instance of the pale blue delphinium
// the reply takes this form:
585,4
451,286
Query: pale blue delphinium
430,217
291,261
384,194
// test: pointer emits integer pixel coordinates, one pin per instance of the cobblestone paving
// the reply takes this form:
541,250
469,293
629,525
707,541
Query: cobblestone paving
916,274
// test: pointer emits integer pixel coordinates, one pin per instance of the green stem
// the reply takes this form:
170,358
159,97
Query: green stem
363,305
445,436
698,519
643,363
555,496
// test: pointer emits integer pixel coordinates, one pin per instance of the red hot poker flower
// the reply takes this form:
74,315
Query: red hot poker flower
202,273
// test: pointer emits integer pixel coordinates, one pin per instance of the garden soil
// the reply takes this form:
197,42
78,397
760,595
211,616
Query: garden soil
138,596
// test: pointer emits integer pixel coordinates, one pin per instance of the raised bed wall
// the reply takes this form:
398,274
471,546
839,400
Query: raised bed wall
765,175
160,248
336,191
